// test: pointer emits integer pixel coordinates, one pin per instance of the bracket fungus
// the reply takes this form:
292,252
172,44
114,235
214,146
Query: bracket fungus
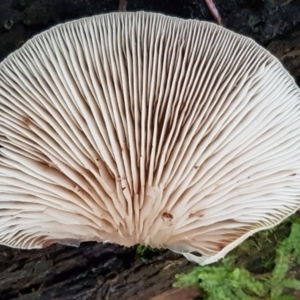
141,128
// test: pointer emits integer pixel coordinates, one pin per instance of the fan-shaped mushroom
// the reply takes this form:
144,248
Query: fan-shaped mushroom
141,128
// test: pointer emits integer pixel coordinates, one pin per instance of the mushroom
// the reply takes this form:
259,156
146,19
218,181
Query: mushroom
142,128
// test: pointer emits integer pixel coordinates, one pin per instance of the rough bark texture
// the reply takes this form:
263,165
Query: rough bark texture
95,271
92,271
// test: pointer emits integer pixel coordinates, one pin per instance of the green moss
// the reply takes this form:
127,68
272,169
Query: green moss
263,267
141,250
145,251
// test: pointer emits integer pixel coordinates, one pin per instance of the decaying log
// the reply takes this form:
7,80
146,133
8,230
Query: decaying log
92,271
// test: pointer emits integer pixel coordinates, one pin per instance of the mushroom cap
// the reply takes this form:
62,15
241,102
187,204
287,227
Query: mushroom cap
141,128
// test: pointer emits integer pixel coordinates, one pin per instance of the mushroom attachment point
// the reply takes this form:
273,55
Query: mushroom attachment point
141,128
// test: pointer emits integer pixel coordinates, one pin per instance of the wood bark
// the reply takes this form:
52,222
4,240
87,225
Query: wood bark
92,271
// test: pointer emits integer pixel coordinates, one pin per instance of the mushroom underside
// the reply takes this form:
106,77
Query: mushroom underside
141,128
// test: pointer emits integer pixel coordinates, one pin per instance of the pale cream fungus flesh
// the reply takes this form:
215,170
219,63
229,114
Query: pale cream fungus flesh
141,128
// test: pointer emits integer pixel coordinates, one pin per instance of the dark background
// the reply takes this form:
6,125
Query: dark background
96,271
263,20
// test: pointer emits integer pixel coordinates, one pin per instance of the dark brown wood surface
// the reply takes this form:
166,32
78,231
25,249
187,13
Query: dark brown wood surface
92,271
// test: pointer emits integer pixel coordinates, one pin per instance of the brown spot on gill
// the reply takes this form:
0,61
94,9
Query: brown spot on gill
26,121
293,174
198,214
167,215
